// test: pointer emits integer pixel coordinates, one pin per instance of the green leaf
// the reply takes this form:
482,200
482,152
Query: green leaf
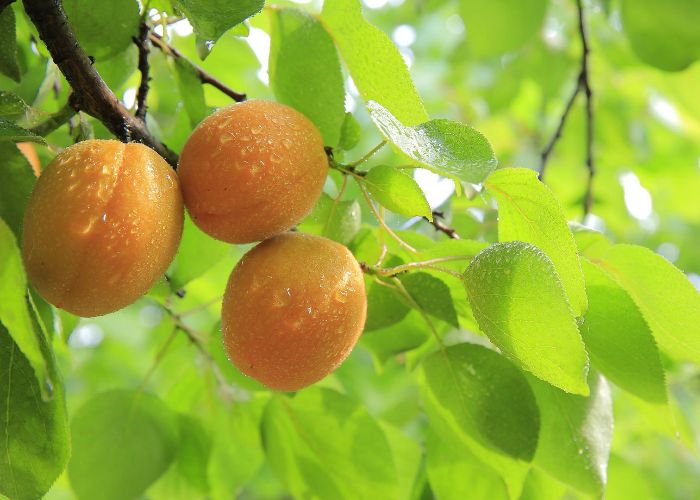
432,295
35,443
487,396
528,211
11,105
350,133
193,453
575,436
375,64
197,253
16,182
663,34
521,306
14,311
668,300
456,474
337,220
323,444
11,132
445,423
122,442
498,26
103,28
619,340
397,191
404,335
190,89
8,44
212,18
305,71
237,452
385,306
448,148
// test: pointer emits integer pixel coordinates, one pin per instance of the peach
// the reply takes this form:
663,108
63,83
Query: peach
252,170
294,308
103,223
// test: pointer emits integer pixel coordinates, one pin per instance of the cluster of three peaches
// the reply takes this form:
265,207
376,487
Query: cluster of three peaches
105,219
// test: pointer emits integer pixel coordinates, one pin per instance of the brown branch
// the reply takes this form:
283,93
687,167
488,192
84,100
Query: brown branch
582,85
141,95
441,226
204,77
92,95
56,119
585,85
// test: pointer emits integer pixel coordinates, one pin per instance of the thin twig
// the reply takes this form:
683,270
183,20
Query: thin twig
547,151
582,85
92,95
159,357
412,266
367,156
441,226
55,120
588,91
380,219
204,77
141,95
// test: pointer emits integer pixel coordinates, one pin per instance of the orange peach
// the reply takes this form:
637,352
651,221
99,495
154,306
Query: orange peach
252,170
294,308
102,224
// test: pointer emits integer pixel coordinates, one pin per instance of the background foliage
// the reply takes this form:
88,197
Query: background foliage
593,388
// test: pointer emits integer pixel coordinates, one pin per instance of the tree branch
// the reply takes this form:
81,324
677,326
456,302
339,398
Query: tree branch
582,85
585,85
55,120
204,77
92,95
141,95
441,226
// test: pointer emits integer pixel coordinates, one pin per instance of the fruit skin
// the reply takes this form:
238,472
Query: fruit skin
252,170
294,308
102,224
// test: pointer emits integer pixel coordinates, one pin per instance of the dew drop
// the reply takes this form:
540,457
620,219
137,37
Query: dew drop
287,143
275,158
256,130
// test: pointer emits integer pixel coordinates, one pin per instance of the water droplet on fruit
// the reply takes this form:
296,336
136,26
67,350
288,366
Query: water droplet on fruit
256,130
287,143
275,158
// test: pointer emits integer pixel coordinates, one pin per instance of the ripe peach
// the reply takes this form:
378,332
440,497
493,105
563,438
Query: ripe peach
294,308
102,224
252,170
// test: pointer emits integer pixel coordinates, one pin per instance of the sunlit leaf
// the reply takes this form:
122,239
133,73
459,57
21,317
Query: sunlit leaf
618,339
35,446
212,18
374,62
488,397
397,191
122,442
576,433
11,132
498,26
539,334
337,220
663,34
103,28
446,147
528,211
305,71
667,299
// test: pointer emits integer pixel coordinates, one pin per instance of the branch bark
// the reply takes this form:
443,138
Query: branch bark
441,226
142,94
583,85
204,77
91,93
